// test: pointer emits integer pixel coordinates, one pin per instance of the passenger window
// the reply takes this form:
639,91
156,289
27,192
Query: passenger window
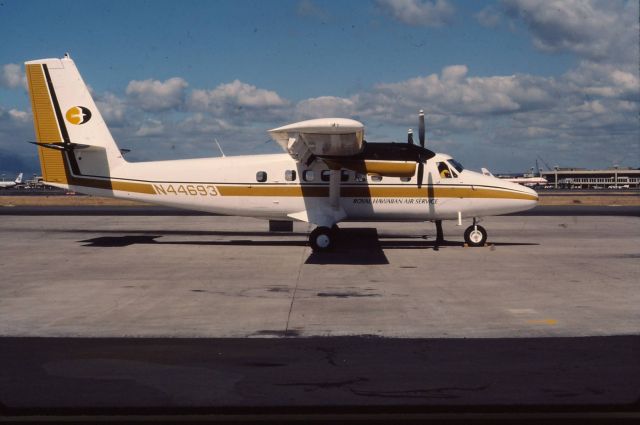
290,175
308,175
405,179
444,171
344,175
361,177
376,178
325,176
261,176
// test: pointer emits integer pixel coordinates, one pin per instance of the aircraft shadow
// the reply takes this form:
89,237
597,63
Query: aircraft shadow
355,246
164,232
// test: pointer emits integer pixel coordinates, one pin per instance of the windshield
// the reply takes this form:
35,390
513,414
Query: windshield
456,165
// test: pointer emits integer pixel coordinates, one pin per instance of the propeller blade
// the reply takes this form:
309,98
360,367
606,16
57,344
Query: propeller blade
421,128
420,174
410,137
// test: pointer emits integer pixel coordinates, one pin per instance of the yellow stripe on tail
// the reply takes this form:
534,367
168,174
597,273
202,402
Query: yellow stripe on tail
46,126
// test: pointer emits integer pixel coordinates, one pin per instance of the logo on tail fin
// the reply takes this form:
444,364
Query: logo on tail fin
78,115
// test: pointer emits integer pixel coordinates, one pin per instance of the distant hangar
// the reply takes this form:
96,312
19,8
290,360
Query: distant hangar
580,178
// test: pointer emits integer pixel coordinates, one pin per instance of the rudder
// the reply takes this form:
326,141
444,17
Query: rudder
65,115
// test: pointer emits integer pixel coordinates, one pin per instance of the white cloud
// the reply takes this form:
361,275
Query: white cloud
489,17
12,76
454,73
594,29
200,123
593,107
151,127
240,102
325,106
112,108
420,12
453,92
21,117
606,80
154,95
236,94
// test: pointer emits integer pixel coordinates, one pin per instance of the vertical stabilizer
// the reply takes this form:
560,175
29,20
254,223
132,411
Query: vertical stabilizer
65,116
487,172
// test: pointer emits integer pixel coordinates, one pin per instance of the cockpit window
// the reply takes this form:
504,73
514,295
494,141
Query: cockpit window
456,165
444,171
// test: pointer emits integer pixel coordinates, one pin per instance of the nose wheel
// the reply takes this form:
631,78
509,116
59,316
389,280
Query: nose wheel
475,235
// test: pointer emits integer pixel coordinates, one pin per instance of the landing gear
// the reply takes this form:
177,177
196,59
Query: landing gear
322,239
475,235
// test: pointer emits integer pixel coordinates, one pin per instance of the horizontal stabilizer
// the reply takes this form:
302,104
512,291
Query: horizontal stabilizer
67,146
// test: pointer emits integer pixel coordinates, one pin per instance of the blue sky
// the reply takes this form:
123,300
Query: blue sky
501,82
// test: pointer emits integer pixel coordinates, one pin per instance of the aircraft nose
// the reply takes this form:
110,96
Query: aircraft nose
532,193
531,196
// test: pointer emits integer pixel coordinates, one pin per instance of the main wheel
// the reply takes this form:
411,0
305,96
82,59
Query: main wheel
321,239
475,235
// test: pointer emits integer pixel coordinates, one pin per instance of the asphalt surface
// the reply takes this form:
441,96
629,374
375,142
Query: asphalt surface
104,314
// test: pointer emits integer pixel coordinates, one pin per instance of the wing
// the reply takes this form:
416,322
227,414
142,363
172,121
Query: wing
340,143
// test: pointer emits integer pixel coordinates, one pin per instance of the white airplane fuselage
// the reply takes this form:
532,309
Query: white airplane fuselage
7,185
228,185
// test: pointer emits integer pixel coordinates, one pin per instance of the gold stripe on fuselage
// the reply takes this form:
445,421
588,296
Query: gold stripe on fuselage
372,192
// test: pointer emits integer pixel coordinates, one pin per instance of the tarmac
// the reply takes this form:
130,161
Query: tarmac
208,312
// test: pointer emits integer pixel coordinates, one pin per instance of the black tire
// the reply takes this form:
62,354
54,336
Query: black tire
321,239
478,238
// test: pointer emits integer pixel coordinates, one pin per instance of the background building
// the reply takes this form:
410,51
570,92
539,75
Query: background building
578,178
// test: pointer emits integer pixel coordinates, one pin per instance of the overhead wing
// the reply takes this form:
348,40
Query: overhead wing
340,143
306,140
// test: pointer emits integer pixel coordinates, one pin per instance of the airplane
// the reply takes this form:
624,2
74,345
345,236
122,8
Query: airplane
525,181
7,185
328,174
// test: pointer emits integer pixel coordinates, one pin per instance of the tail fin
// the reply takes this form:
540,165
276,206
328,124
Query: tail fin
18,179
486,172
66,119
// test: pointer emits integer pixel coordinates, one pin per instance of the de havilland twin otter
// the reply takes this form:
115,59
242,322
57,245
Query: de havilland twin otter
328,174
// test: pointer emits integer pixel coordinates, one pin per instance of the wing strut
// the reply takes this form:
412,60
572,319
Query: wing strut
335,180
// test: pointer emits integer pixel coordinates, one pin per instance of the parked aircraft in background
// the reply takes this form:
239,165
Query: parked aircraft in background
328,174
525,181
7,185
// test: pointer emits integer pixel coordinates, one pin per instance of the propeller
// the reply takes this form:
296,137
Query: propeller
421,132
410,137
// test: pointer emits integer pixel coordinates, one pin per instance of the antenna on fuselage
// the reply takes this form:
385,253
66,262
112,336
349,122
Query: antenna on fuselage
219,147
